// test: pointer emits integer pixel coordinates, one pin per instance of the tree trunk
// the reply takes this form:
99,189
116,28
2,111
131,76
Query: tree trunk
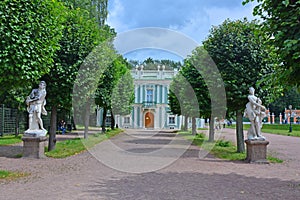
194,131
211,136
186,121
103,120
112,125
53,127
73,122
86,120
239,132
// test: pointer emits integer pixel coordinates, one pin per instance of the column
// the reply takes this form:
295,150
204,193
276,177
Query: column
134,117
158,93
141,94
273,118
280,118
136,91
144,93
269,118
163,94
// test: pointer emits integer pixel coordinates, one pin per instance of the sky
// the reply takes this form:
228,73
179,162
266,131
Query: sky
190,19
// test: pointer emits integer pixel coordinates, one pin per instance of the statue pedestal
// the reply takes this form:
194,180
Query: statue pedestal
34,147
257,151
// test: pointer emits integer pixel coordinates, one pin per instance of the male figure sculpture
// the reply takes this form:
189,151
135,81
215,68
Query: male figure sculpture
35,107
255,111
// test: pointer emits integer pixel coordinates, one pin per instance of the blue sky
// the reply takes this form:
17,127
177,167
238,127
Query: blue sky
192,18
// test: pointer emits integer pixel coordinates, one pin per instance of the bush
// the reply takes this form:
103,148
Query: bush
223,143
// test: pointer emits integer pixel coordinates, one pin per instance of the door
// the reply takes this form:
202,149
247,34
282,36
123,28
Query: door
149,120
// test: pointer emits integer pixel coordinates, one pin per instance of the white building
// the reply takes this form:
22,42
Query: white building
150,108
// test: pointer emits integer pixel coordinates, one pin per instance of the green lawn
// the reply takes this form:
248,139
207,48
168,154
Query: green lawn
11,175
279,129
74,146
10,139
221,148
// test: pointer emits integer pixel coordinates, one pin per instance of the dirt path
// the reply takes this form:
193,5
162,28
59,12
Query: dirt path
189,176
284,147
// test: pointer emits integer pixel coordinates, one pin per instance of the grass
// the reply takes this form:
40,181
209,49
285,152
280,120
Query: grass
278,129
77,145
9,175
10,139
221,148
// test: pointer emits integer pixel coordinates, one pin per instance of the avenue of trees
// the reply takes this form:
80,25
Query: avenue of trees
59,41
67,44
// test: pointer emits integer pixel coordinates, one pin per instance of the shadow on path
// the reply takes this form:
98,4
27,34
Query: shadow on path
187,185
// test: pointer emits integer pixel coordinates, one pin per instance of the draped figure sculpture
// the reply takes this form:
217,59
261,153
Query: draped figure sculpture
36,107
255,112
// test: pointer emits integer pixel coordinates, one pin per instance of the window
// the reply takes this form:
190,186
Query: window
126,120
108,119
171,120
150,95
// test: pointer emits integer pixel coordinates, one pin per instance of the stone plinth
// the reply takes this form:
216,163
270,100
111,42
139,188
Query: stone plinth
257,151
34,147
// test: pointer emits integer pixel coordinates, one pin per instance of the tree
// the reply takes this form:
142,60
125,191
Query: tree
281,23
183,100
123,95
90,74
31,31
203,76
106,86
240,56
97,8
80,36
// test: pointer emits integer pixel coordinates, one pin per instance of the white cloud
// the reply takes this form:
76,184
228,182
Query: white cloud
116,14
218,15
194,18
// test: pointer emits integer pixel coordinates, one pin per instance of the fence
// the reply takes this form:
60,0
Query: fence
13,121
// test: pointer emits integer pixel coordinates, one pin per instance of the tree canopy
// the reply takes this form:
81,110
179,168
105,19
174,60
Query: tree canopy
240,56
30,35
281,22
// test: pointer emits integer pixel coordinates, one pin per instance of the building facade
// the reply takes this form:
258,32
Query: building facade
150,109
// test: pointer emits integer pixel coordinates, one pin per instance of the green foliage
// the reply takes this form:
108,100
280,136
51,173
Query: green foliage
182,97
10,139
290,97
96,8
80,35
223,143
281,23
240,57
123,95
238,50
111,87
31,33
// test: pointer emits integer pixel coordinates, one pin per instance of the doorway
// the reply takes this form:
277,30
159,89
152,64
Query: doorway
149,120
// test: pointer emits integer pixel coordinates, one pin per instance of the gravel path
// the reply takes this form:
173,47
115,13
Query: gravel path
193,175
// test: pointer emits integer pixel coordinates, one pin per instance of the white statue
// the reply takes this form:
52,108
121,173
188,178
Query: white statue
36,107
255,111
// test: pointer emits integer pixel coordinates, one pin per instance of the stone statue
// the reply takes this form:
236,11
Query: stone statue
36,107
255,111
